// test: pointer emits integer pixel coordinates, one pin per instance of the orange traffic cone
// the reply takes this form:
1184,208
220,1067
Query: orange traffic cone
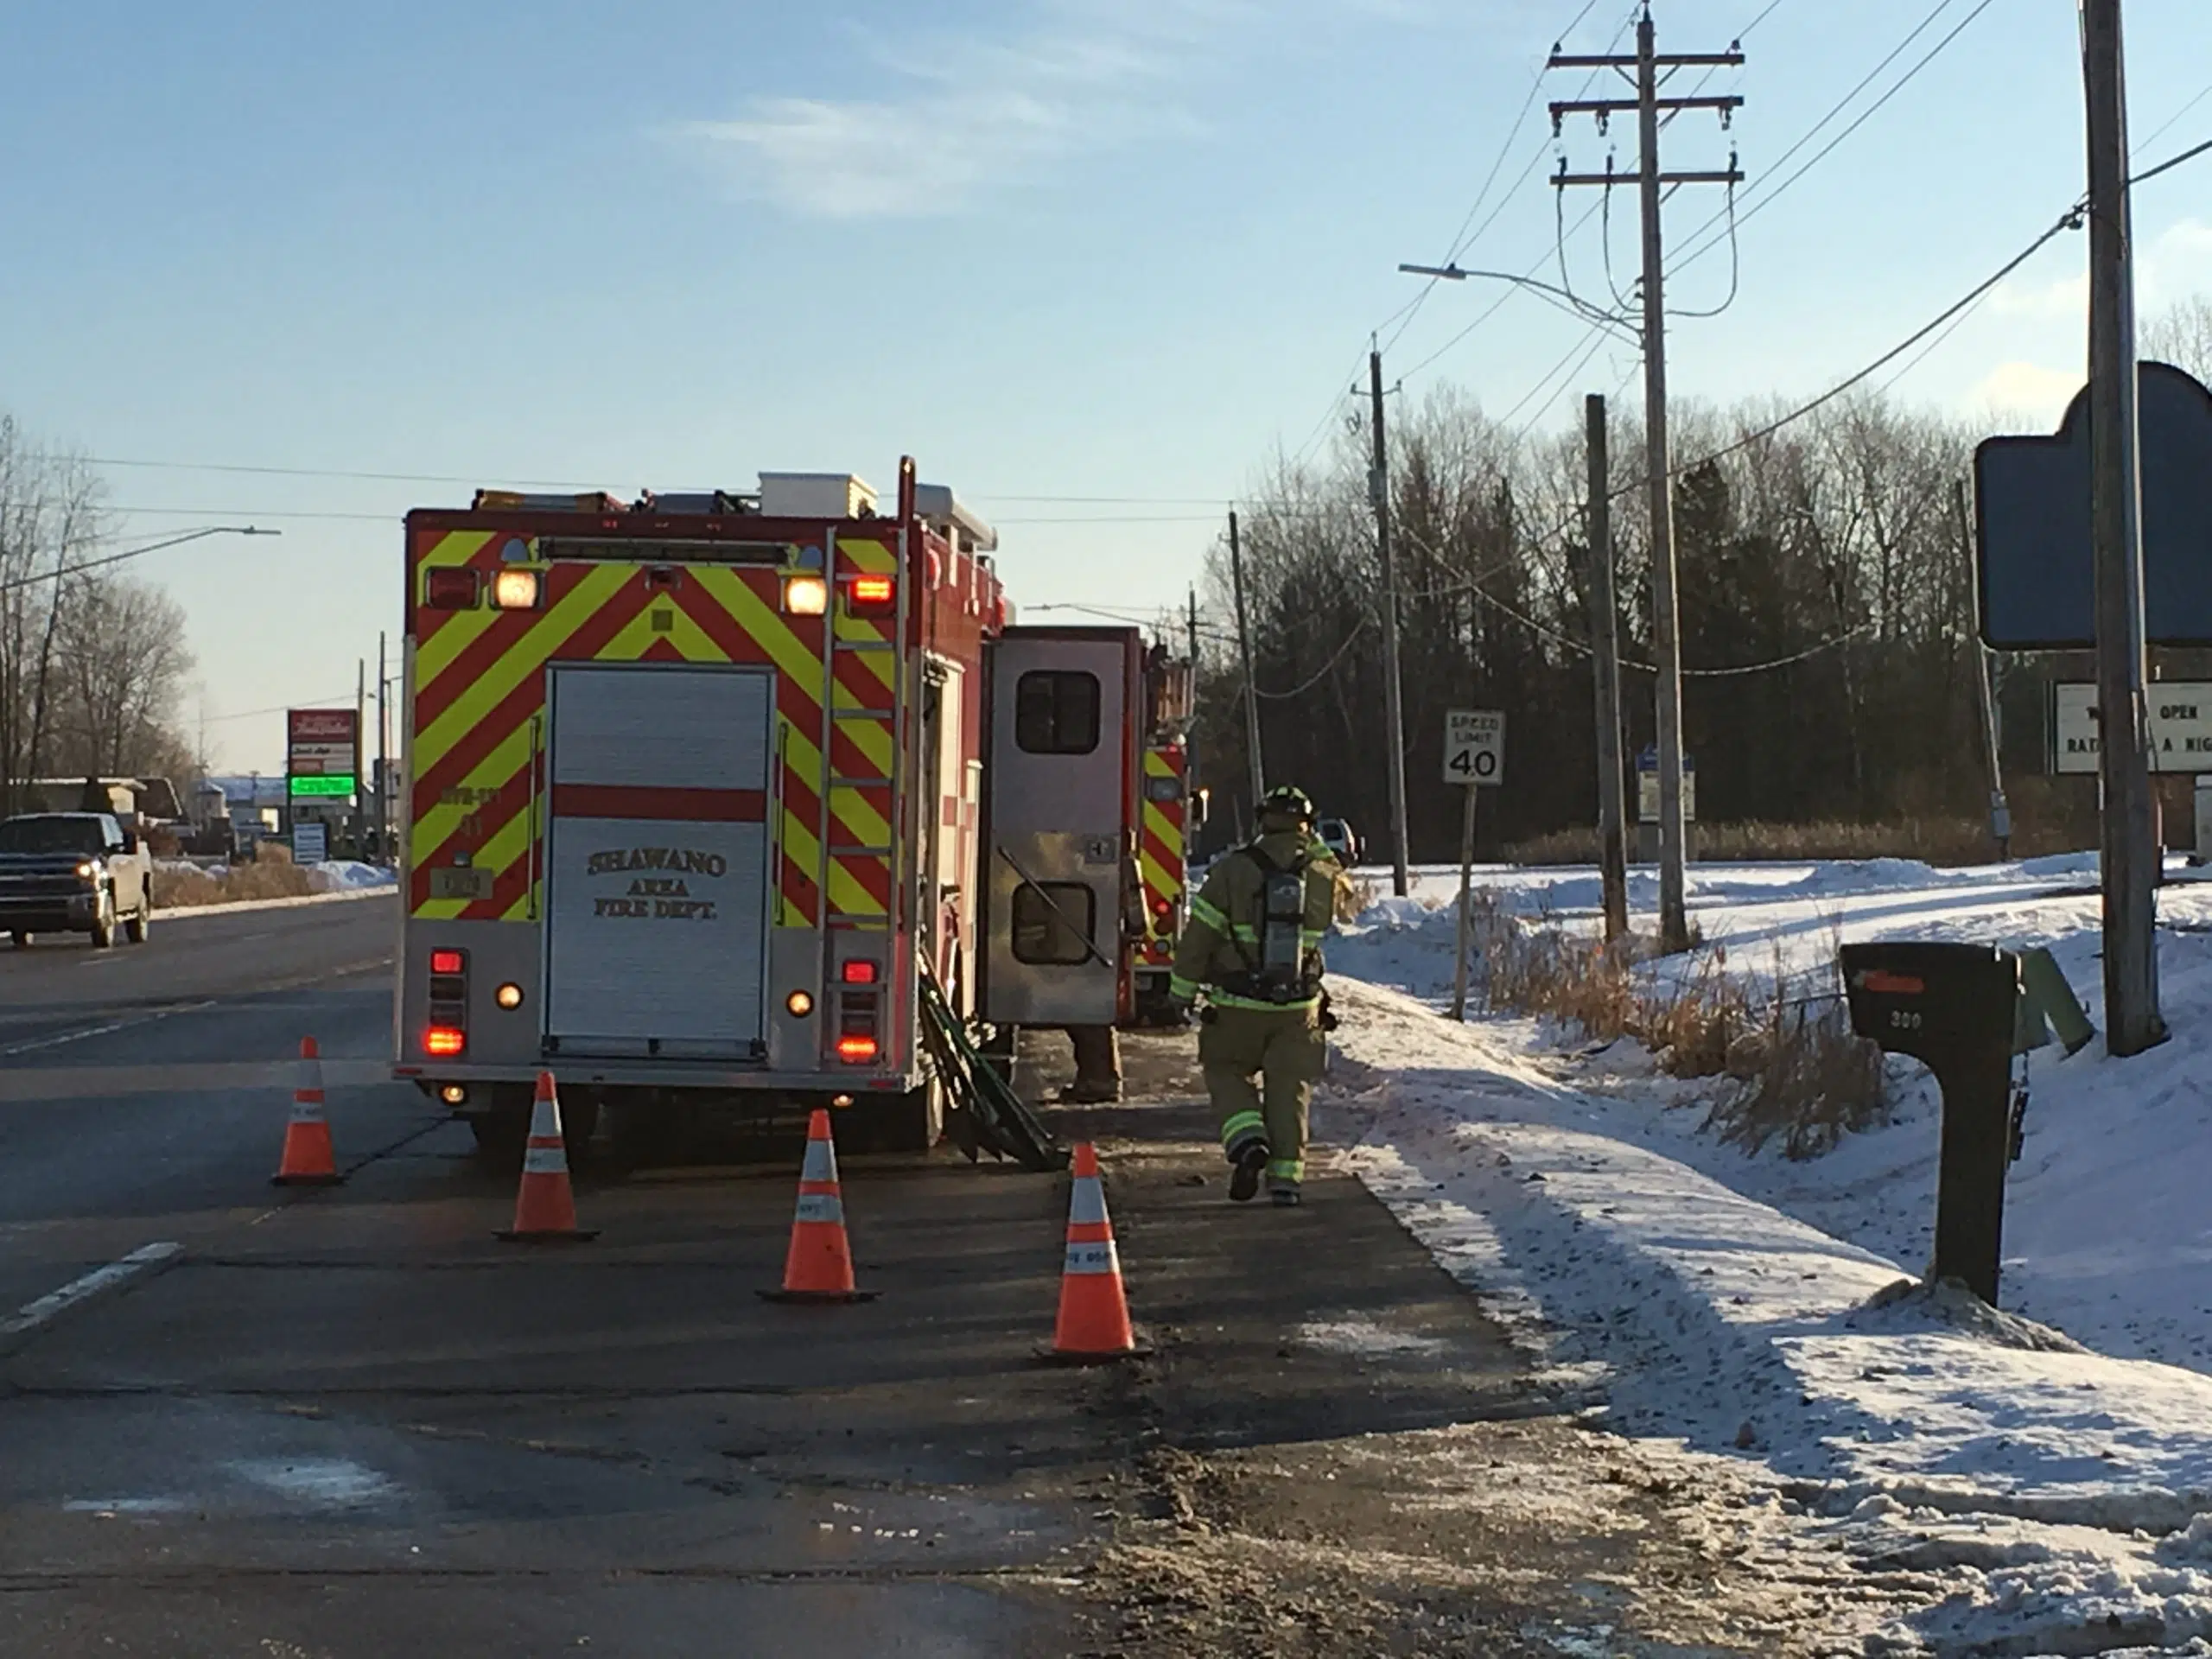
308,1160
545,1208
819,1268
1094,1323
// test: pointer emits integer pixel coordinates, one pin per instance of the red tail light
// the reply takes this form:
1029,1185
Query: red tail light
454,588
1162,909
859,971
870,596
855,1051
444,1042
448,962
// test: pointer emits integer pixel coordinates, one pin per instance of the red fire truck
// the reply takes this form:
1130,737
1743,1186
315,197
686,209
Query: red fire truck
700,788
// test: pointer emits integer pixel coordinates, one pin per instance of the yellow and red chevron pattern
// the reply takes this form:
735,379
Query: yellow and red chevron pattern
1162,849
864,744
476,740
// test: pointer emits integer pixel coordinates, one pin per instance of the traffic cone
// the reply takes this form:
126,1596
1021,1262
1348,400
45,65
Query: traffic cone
545,1208
1094,1323
308,1160
819,1268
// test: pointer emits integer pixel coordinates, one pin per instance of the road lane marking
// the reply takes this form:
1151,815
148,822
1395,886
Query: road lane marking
145,1259
84,1032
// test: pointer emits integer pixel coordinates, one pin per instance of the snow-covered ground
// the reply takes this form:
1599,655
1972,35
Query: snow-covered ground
2055,1489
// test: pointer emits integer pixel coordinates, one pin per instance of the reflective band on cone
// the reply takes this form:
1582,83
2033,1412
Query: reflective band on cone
818,1267
309,1158
1093,1322
545,1205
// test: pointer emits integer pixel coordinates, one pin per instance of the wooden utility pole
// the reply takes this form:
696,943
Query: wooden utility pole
1394,750
383,777
360,750
1245,655
2128,841
2000,814
1649,107
1605,675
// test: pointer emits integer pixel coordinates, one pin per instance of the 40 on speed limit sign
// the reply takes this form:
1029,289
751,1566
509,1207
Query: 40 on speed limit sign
1474,746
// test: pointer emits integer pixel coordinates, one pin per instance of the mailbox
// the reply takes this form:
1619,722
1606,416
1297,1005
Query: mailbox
1955,1007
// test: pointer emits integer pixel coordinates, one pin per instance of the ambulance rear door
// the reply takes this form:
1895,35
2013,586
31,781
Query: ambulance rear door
1060,796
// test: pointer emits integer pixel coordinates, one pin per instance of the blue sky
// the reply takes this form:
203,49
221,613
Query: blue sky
1055,248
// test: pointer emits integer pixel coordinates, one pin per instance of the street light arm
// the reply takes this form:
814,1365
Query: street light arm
1582,308
134,553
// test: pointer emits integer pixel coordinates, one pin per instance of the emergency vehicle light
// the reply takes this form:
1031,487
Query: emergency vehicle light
870,596
800,1003
452,588
509,996
805,596
515,590
444,1042
448,961
855,1051
859,971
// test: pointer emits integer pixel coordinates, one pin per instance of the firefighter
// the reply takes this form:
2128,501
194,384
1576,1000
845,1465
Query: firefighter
1253,943
1097,1066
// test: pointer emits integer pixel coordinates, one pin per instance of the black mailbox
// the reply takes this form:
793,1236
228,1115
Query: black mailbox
1954,1007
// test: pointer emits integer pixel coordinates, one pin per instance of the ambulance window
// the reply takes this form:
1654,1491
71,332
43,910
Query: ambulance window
1056,712
1042,919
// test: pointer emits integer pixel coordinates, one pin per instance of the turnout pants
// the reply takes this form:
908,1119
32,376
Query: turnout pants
1285,1049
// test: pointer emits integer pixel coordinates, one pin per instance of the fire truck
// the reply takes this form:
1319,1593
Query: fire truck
712,797
1170,814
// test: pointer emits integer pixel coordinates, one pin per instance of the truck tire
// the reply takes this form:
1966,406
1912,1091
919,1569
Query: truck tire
103,920
20,939
911,1123
142,919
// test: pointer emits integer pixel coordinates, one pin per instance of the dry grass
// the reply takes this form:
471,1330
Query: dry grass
1801,1074
272,875
1946,841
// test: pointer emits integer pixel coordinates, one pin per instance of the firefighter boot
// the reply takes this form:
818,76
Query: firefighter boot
1097,1066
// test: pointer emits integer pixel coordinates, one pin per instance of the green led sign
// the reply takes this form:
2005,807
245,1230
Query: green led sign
338,784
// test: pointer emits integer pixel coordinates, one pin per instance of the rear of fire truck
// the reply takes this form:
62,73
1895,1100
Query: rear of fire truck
1170,813
692,793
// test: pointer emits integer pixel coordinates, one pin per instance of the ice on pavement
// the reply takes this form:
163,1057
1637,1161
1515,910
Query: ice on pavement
2054,1481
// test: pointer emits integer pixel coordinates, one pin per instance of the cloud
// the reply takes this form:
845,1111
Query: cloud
2029,395
962,112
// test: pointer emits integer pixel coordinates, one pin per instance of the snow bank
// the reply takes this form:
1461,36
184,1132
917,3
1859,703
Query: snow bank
2045,1484
337,874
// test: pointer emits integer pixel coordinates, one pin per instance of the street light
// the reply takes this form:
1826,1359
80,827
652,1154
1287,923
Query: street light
135,553
1567,298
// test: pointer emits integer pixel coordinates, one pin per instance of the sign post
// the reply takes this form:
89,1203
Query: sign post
1474,755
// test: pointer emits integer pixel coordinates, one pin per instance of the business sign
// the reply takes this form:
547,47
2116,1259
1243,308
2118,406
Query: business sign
322,751
1474,746
2181,726
1647,786
2037,564
310,843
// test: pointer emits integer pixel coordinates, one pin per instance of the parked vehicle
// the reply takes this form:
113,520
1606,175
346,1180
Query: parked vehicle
74,873
1338,835
700,788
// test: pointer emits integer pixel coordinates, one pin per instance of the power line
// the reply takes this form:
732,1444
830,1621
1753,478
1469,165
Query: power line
1319,674
1735,221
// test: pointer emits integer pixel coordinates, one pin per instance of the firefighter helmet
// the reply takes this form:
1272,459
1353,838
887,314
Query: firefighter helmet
1290,801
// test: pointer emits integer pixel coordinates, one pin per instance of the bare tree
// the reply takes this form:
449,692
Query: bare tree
49,516
120,644
2182,335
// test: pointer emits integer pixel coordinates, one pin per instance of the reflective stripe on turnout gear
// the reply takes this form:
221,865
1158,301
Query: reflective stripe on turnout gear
1182,990
1221,999
1240,1130
1286,1171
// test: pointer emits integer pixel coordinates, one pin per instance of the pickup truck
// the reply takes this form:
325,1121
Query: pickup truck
74,873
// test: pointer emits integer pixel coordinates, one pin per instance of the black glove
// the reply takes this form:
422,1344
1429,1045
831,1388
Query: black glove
1328,1019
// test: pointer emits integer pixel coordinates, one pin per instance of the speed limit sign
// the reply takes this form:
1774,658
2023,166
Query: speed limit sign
1474,746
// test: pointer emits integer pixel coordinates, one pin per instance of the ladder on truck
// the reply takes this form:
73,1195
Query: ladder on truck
985,1115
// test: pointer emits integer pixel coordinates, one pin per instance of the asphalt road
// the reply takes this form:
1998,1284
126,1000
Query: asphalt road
337,1423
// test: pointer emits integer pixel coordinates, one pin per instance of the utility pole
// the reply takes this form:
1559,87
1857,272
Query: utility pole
1378,492
1606,673
1244,655
2128,840
2000,814
384,776
1649,107
361,749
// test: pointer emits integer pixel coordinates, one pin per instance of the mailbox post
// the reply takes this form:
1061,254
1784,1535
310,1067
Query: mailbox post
1954,1007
